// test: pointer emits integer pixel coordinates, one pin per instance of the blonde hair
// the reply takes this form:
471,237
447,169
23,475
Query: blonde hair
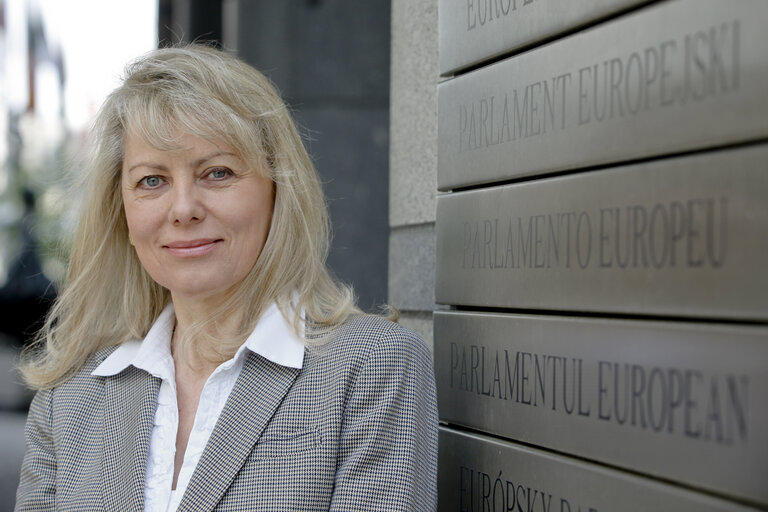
108,297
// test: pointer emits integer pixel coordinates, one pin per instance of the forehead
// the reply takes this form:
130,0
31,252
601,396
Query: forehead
183,145
164,127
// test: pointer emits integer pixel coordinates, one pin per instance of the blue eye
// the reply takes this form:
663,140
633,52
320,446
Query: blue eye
219,173
150,181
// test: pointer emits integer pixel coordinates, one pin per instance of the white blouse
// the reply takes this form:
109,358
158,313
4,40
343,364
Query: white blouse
273,338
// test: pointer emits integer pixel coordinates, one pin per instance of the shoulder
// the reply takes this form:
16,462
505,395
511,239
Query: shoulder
83,384
85,372
72,402
367,340
366,333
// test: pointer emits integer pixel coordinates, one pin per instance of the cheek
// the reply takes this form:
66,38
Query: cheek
254,226
131,212
142,220
143,227
135,226
258,216
132,220
264,222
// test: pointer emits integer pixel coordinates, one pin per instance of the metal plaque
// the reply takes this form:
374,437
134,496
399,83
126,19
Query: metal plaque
474,30
672,77
478,474
680,401
678,237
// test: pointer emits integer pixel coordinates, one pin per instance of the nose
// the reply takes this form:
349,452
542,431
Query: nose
186,205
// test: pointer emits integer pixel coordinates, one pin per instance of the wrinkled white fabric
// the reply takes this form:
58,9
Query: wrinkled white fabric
272,338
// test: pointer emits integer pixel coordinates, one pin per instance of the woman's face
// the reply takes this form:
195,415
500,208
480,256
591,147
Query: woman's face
198,216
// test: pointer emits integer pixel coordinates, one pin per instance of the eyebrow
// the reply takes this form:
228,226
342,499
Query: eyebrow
197,163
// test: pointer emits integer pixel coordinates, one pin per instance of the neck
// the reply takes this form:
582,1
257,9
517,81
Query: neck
188,312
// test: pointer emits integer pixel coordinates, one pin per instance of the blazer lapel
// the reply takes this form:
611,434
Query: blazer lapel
131,399
257,394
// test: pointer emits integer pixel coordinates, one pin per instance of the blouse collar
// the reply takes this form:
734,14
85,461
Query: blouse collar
272,338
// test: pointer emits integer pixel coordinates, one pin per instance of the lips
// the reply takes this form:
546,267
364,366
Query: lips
192,248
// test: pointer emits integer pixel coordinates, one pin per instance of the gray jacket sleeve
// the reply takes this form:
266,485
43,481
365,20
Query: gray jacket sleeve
37,487
388,445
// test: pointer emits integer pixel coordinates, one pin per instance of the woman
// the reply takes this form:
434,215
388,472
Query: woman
200,356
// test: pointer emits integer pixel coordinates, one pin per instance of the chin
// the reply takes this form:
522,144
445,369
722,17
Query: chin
195,289
197,283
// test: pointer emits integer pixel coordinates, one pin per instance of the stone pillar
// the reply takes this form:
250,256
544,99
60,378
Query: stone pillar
413,162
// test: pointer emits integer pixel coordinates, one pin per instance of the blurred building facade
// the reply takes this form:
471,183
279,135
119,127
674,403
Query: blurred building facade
34,137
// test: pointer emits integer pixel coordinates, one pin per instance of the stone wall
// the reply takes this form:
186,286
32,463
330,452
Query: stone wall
413,162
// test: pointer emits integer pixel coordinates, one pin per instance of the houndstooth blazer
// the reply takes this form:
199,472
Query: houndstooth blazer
354,429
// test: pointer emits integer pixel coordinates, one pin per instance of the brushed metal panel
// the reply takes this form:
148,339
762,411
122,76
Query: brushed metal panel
481,474
681,401
676,76
474,30
681,237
